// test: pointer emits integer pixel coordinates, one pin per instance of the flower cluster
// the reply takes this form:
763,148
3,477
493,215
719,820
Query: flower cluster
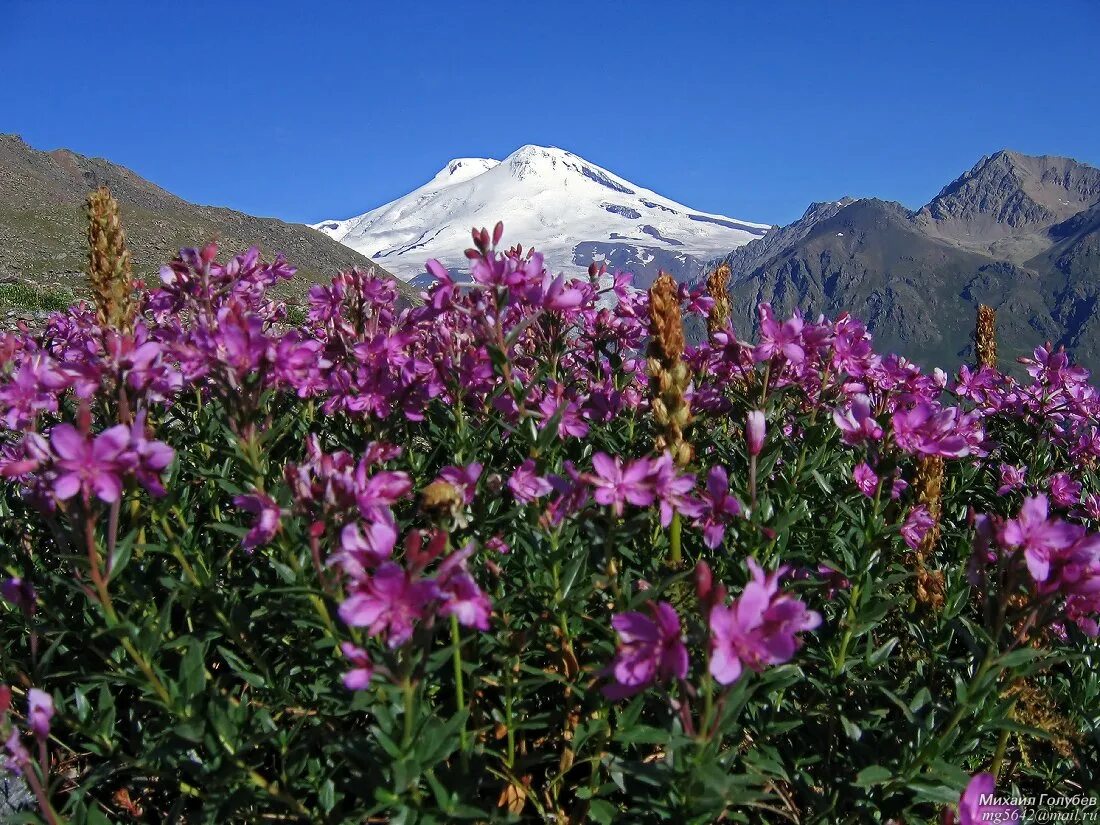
758,629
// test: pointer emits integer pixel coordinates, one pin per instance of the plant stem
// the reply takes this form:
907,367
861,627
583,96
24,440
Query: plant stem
460,696
675,554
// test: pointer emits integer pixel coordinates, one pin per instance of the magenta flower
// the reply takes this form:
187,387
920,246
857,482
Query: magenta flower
916,525
147,458
389,603
673,490
755,428
779,338
463,479
460,595
39,712
865,478
1012,478
856,424
526,485
381,490
719,507
649,650
358,678
972,810
20,593
1064,491
1039,537
614,485
91,465
935,430
361,550
758,629
266,518
19,758
899,486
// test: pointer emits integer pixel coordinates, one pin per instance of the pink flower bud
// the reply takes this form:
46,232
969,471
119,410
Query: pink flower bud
704,581
39,712
5,700
755,428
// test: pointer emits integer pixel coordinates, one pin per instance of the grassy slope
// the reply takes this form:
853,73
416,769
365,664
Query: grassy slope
42,224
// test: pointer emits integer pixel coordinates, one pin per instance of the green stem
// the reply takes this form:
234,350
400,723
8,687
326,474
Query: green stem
409,690
675,553
460,696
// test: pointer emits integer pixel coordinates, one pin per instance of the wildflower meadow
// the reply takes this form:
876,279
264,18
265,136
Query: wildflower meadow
523,553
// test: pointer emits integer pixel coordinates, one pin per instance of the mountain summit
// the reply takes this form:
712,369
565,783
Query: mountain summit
1020,233
571,210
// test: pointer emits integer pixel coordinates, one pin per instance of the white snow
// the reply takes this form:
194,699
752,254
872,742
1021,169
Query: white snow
548,198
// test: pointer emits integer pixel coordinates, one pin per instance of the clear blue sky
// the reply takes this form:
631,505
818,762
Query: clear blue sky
309,110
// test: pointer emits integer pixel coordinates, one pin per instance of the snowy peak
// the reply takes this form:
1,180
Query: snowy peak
462,169
573,211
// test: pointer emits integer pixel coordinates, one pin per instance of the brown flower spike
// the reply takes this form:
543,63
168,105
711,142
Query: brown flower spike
985,336
717,288
929,489
668,374
109,267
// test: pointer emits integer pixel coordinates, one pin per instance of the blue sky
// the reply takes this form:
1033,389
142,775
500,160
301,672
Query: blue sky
316,110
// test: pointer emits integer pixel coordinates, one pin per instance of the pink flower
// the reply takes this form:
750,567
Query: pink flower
1012,478
19,758
649,650
39,712
755,428
266,519
1064,491
459,594
935,430
719,507
971,809
91,465
464,479
20,593
389,603
865,478
614,485
856,424
362,551
1039,537
779,338
358,678
673,489
526,485
758,629
899,486
917,524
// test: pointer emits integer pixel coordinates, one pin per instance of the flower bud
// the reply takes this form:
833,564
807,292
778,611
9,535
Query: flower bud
39,712
755,428
704,581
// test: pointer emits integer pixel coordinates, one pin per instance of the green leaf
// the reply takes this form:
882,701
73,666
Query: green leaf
602,811
873,775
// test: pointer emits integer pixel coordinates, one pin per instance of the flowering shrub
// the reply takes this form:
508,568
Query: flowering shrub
521,553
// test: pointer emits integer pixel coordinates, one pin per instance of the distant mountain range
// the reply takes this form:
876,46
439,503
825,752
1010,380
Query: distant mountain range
1017,232
571,210
42,223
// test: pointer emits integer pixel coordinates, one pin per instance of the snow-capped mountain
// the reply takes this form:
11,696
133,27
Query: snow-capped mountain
572,211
